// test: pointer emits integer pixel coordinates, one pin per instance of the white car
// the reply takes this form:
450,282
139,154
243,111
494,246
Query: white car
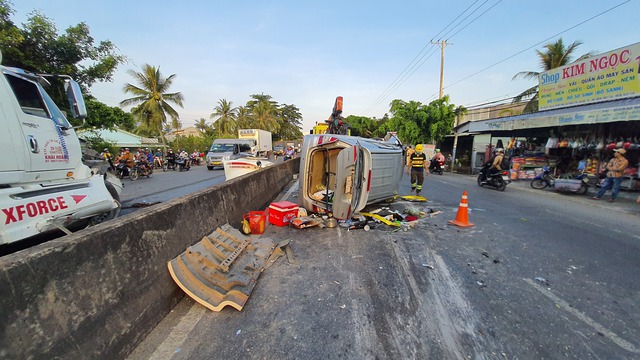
341,174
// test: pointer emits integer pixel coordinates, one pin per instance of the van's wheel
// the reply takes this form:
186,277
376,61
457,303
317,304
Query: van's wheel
109,215
210,167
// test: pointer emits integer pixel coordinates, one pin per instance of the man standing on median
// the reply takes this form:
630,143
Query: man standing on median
417,167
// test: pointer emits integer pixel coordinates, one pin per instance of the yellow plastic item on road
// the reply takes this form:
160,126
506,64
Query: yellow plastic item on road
414,198
381,219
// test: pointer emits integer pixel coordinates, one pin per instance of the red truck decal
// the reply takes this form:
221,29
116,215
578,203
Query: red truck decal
33,209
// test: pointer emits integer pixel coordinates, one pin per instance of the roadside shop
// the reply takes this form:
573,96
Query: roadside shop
582,119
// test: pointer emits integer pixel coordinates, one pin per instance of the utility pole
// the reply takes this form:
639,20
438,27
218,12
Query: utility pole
442,44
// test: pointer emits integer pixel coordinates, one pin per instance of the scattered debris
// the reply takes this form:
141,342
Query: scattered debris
496,261
481,283
343,306
238,332
305,222
141,205
542,281
485,254
428,266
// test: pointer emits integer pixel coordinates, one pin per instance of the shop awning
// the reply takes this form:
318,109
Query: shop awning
599,113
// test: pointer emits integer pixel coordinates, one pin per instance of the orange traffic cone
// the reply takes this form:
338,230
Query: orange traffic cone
462,218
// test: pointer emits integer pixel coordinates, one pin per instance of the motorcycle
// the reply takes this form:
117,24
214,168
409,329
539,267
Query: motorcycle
436,167
122,169
543,180
140,169
158,163
182,164
195,159
497,180
577,184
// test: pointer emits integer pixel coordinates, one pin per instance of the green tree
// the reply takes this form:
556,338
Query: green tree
243,117
152,99
38,47
201,125
416,123
264,116
105,117
290,123
555,55
225,115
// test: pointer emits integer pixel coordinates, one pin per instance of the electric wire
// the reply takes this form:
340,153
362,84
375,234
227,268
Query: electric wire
529,48
413,66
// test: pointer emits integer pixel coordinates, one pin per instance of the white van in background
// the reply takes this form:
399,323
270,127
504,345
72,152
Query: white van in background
227,149
341,174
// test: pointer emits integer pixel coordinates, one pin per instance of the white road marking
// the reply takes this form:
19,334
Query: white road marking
179,333
586,319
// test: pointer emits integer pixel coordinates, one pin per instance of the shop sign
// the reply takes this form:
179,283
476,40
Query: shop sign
609,76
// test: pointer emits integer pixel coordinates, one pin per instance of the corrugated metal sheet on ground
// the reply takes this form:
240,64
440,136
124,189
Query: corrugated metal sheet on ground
221,269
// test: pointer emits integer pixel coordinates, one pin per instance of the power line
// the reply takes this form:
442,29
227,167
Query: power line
531,47
413,65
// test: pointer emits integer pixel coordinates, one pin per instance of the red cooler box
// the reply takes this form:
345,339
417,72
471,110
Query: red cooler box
280,213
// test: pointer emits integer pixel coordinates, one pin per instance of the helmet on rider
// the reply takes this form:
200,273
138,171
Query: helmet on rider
437,150
419,148
498,150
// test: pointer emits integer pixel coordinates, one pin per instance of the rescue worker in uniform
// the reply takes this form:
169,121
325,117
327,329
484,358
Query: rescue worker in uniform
417,166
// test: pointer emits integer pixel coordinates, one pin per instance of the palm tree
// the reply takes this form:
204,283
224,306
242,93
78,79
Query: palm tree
201,125
243,118
226,117
151,99
556,55
264,116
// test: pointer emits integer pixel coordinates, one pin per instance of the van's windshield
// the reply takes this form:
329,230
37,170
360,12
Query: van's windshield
221,148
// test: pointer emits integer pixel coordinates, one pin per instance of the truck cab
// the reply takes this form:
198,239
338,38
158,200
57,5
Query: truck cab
43,183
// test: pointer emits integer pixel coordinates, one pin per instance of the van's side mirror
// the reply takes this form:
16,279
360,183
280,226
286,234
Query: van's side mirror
76,102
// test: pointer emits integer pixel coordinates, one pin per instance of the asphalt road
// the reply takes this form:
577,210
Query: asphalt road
540,276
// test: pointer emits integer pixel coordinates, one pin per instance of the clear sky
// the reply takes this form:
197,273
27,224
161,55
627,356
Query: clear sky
306,53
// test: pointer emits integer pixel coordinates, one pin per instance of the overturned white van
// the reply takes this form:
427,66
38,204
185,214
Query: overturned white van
341,174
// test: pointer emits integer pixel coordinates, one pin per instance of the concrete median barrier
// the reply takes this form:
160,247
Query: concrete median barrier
97,293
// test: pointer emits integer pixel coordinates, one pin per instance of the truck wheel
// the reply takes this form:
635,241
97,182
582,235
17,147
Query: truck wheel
109,215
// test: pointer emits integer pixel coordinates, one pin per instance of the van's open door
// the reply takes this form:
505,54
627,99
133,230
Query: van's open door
349,168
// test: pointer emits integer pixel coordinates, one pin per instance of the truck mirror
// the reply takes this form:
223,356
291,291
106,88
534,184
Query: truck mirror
76,101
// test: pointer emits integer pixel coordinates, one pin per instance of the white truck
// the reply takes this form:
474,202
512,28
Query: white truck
262,138
44,184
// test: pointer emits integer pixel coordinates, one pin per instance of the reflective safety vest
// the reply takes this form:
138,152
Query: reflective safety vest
417,161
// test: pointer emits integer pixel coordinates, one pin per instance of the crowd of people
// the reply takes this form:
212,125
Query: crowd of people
149,160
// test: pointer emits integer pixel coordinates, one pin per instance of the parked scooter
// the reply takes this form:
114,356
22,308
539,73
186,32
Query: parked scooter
497,180
577,184
543,180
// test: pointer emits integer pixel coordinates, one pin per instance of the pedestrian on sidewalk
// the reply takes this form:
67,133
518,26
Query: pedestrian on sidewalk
417,166
615,169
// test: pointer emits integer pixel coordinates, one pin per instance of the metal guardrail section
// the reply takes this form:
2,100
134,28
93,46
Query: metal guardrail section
222,268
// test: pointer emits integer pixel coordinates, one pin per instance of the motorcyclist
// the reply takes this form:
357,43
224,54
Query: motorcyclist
158,157
289,153
149,156
127,157
171,158
496,165
437,161
195,157
184,155
143,161
106,154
